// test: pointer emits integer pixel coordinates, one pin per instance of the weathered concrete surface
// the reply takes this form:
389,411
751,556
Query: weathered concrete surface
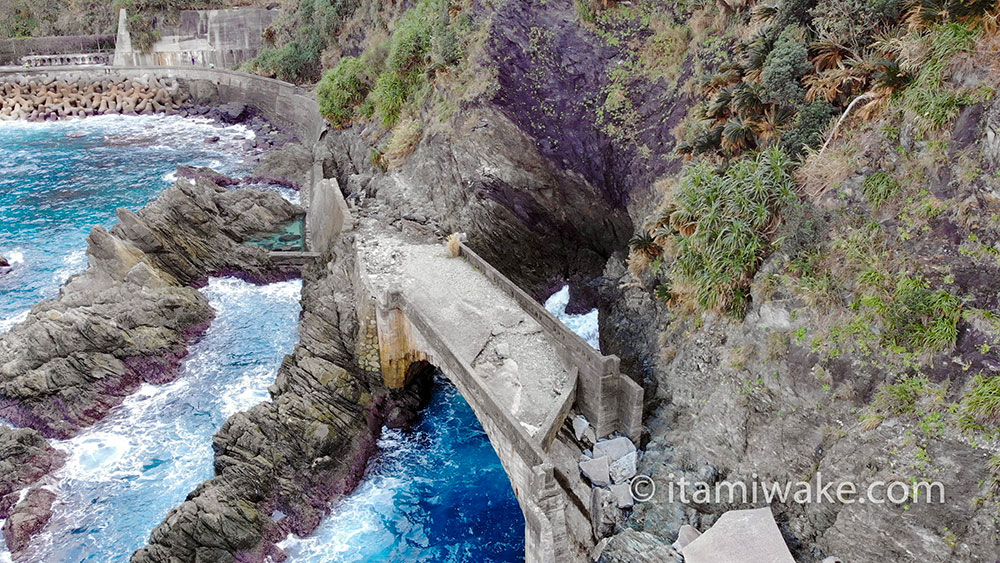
740,536
224,38
475,318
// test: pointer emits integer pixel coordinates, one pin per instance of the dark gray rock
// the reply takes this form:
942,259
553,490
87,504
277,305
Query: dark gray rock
127,319
633,546
27,519
25,457
305,447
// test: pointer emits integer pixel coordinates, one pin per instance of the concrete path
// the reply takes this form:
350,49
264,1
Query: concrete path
481,324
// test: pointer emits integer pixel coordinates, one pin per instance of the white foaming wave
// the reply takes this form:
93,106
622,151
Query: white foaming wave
344,531
585,325
97,455
5,556
170,177
16,257
233,288
246,391
7,324
115,448
73,263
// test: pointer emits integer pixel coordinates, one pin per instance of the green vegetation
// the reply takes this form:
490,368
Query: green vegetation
784,67
719,227
919,318
18,20
297,41
394,78
879,188
928,100
342,89
980,409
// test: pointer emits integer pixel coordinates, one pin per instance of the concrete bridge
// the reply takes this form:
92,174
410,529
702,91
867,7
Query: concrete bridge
522,370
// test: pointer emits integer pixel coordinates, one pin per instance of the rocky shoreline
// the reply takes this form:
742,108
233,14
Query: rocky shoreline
279,465
129,317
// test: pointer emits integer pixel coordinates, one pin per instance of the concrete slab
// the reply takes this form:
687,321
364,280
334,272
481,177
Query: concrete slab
615,448
740,536
597,471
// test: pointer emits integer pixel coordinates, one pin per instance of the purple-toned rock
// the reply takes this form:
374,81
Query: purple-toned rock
28,518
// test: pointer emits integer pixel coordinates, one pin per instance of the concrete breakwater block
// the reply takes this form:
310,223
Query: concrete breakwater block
46,98
740,536
615,448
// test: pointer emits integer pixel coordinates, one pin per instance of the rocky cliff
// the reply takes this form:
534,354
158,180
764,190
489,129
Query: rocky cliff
280,464
128,317
790,314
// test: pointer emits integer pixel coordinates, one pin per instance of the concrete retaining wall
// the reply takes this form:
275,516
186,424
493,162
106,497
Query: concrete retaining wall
224,38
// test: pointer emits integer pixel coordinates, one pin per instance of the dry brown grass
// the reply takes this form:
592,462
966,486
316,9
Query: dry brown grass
405,138
454,245
821,173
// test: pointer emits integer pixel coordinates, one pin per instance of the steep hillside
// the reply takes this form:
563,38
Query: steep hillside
789,313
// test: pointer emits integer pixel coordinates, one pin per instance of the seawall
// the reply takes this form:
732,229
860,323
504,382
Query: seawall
283,104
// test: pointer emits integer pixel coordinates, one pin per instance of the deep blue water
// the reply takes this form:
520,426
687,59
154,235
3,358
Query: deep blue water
434,492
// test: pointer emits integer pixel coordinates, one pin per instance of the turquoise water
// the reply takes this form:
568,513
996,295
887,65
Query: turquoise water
435,492
57,180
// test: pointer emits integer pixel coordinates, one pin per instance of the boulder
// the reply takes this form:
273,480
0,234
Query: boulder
624,468
623,494
580,425
633,546
615,448
597,470
28,518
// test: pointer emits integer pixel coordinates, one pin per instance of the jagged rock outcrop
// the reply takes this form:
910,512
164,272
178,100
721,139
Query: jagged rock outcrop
128,317
279,464
25,457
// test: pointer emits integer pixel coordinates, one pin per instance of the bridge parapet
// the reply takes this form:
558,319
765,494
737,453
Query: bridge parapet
609,399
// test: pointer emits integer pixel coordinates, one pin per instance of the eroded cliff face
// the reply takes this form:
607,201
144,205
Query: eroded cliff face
804,386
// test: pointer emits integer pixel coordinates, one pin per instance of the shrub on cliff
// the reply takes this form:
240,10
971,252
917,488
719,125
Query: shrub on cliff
721,224
304,31
342,89
784,68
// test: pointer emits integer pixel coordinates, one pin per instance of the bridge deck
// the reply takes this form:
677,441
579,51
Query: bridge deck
480,323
